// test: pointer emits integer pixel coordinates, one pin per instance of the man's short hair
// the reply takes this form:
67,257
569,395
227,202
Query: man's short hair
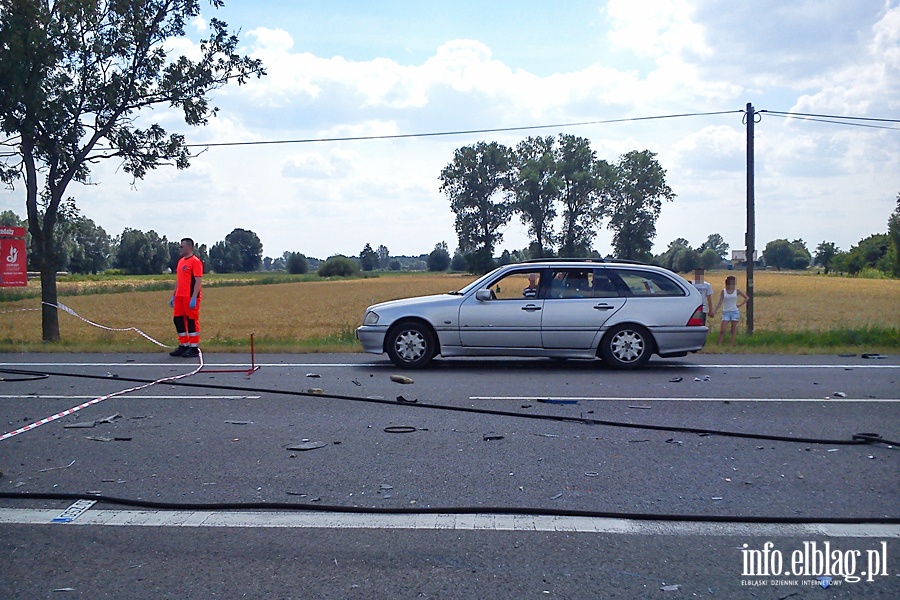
188,241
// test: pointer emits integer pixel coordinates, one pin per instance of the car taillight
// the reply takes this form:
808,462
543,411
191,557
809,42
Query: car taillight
696,318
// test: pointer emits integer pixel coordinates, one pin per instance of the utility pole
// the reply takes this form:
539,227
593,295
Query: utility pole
750,239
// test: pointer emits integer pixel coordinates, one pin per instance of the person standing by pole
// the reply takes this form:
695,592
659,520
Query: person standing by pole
185,301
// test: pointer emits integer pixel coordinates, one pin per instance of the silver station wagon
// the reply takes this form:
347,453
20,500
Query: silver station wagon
616,311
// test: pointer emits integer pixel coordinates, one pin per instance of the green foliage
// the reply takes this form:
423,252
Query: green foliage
536,185
249,247
783,254
473,181
458,263
893,253
716,243
368,259
395,265
583,181
296,263
635,202
825,253
709,258
439,258
224,258
140,253
338,266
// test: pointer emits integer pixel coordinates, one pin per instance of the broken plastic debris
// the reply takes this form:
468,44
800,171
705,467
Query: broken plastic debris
670,588
557,497
315,391
492,438
355,382
873,355
110,418
307,446
401,379
642,407
674,441
675,379
80,425
313,375
591,473
839,395
556,401
237,422
401,399
702,378
98,438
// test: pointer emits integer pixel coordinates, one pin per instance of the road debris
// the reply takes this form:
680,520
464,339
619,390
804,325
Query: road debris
676,379
556,401
702,378
307,445
80,425
492,438
401,379
670,588
238,422
55,468
839,395
400,429
641,407
110,418
315,375
403,400
317,391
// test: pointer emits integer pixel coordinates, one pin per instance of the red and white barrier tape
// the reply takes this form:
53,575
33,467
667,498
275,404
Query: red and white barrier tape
75,409
65,308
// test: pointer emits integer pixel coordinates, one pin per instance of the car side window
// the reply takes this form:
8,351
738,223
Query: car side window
517,286
572,283
649,283
604,287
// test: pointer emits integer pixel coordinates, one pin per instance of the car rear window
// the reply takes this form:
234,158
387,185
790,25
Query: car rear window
649,283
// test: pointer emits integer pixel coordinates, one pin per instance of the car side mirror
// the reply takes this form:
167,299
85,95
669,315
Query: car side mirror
483,295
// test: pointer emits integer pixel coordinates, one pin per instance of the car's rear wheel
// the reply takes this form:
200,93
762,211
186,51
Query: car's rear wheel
411,345
626,346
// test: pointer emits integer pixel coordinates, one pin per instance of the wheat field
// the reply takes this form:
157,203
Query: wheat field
305,315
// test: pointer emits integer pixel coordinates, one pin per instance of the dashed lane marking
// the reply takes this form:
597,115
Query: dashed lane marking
482,522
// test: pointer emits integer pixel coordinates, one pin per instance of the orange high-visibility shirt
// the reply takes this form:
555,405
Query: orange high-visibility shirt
188,270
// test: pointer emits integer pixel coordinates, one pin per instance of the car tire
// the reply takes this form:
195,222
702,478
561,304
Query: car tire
411,345
626,346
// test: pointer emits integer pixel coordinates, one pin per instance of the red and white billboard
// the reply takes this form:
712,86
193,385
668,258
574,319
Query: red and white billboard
13,270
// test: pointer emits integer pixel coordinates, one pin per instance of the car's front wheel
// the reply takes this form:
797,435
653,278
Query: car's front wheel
626,346
411,345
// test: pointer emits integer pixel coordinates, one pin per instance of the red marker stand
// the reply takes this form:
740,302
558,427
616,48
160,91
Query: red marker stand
13,266
253,366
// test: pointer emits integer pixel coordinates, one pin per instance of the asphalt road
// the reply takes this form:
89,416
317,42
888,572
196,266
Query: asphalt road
656,500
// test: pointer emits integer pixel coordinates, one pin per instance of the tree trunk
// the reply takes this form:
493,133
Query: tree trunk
49,312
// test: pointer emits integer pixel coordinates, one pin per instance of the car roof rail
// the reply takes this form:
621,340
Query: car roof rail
593,260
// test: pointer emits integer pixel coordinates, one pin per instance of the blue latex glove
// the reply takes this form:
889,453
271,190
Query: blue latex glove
193,303
172,302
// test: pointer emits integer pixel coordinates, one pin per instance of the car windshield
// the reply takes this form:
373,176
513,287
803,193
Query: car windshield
477,284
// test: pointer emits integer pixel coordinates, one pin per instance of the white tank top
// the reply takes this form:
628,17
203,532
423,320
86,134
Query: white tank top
729,300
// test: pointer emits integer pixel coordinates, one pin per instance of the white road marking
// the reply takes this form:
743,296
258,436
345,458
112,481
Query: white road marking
129,397
664,399
481,522
388,365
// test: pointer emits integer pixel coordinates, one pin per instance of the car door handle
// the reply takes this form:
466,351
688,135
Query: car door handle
531,307
604,307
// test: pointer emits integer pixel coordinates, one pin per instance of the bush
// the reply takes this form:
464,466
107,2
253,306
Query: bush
338,266
297,264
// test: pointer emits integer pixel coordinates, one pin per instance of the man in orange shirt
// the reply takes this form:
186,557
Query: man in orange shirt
186,301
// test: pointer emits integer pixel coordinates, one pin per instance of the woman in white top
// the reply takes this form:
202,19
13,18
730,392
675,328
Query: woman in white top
728,301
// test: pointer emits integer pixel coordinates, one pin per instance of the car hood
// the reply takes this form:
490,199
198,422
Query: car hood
411,303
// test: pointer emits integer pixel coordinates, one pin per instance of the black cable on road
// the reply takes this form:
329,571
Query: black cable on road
454,510
856,439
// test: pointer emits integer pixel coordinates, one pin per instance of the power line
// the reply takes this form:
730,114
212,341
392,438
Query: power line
834,119
460,132
791,114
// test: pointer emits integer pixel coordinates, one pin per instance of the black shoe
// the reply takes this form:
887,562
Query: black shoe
191,352
179,351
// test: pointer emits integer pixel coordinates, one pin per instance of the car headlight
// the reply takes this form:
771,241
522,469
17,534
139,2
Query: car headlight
371,318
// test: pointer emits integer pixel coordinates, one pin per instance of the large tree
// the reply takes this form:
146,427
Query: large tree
635,203
536,187
75,76
584,184
475,182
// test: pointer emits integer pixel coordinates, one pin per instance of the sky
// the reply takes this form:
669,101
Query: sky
357,68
